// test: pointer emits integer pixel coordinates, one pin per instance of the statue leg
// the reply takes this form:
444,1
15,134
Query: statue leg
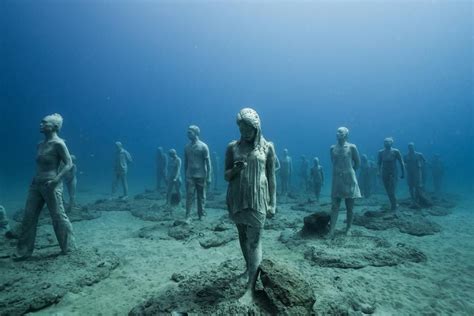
201,196
123,178
242,230
190,189
27,236
336,204
61,224
115,183
254,257
350,213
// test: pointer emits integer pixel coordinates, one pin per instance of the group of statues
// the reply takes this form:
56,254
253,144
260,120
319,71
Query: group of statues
250,168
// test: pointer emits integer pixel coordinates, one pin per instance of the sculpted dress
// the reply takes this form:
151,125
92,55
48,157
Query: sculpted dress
344,180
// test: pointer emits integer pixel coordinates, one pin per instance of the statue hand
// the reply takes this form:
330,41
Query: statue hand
270,211
52,183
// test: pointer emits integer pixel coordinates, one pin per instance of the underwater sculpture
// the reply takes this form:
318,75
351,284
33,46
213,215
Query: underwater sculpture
365,177
197,168
122,159
216,162
174,176
345,160
251,195
317,177
414,165
70,179
387,166
304,170
161,167
286,169
4,226
46,187
437,171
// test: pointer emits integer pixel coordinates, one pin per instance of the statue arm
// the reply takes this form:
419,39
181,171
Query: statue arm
402,165
322,176
270,169
185,161
207,161
65,158
178,168
379,162
230,171
355,157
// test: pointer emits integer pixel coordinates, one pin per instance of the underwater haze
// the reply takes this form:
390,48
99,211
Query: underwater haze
142,72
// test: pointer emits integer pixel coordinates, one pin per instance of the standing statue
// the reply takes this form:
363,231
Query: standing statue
197,166
46,187
387,166
216,164
365,176
414,164
345,160
70,179
251,195
174,177
286,170
304,171
161,167
122,159
317,177
437,171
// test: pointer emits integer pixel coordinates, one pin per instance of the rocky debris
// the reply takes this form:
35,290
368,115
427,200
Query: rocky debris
280,222
405,222
177,277
357,252
217,291
180,230
154,232
287,290
438,211
149,195
316,224
45,278
222,226
217,239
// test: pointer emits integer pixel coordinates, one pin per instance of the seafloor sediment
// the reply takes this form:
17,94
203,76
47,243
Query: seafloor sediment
139,257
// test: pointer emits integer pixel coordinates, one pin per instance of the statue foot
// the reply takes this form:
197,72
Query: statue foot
247,299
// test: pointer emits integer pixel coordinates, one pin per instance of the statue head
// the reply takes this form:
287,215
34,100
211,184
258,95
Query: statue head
364,158
249,126
51,123
193,132
316,161
118,145
342,133
172,153
411,147
285,152
160,150
388,142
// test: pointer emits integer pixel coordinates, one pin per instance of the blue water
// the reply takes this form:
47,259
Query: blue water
142,72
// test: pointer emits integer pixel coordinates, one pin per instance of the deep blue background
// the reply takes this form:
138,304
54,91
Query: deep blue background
142,72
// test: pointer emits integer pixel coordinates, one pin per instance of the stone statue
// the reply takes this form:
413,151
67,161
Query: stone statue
365,176
46,187
174,176
70,179
345,160
286,170
161,167
216,164
387,166
304,171
437,171
4,225
251,195
197,166
414,164
317,177
122,159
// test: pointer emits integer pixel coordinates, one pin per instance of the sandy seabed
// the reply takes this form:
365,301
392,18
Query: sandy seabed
441,285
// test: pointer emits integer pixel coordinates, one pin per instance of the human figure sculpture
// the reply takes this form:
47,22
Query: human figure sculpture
174,176
216,162
197,166
4,225
345,160
46,187
414,165
437,171
161,167
304,171
251,195
122,159
365,176
387,167
286,170
70,180
317,177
